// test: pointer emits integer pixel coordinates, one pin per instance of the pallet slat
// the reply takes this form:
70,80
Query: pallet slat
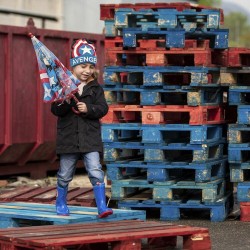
121,235
76,196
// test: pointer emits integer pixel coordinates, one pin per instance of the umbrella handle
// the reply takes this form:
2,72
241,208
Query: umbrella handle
73,109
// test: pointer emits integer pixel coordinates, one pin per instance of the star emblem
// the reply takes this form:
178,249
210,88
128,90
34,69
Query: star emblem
47,92
52,81
86,50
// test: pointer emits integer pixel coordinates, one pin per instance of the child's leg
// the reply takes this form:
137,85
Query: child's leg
93,167
66,171
64,176
96,177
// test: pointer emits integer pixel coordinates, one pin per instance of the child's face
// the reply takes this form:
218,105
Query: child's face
83,71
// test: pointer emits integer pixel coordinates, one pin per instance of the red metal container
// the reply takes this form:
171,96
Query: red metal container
27,127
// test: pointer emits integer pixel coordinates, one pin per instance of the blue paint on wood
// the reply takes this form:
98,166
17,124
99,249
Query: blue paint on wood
11,213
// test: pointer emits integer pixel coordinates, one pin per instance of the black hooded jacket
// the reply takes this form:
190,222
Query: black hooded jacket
81,133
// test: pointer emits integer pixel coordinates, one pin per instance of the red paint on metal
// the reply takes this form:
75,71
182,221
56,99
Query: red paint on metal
27,127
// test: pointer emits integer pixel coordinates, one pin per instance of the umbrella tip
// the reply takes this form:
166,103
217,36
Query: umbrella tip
30,35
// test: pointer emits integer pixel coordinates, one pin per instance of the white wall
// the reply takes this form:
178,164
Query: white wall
73,15
84,15
52,8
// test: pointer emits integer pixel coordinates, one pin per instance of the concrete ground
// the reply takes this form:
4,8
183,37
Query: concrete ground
227,235
231,234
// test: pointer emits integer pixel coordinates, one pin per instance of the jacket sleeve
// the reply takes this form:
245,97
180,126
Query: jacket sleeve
60,109
99,108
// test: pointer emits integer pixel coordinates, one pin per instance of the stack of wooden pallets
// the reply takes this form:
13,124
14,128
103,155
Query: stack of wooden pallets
239,138
165,133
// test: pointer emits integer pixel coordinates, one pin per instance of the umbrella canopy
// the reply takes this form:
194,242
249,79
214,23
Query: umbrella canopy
58,82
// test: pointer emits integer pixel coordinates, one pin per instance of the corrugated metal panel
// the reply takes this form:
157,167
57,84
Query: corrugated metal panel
27,128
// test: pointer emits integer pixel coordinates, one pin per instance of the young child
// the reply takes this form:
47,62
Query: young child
79,135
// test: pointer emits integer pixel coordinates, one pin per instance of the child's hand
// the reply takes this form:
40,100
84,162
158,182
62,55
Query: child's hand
82,107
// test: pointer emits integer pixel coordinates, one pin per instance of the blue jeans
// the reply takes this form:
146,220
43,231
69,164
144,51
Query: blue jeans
67,168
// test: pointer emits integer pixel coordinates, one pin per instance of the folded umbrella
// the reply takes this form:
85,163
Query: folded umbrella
58,82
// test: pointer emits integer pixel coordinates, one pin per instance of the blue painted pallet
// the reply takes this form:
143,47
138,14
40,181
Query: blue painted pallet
172,152
238,133
239,153
169,190
243,190
240,172
190,96
198,172
175,38
171,77
161,18
165,18
167,133
219,209
243,112
239,95
14,214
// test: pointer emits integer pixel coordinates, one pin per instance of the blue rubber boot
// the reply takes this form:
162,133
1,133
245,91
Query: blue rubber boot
61,201
100,198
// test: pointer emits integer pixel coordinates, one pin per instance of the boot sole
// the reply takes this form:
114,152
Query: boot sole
105,214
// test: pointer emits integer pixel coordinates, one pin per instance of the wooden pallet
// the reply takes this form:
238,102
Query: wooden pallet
245,211
170,133
76,196
173,153
177,57
243,189
170,190
233,57
198,172
243,113
165,114
117,42
145,96
238,133
240,172
174,38
172,77
239,95
184,208
122,235
19,214
239,153
108,10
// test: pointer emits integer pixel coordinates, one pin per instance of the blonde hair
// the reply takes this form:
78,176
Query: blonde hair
96,73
